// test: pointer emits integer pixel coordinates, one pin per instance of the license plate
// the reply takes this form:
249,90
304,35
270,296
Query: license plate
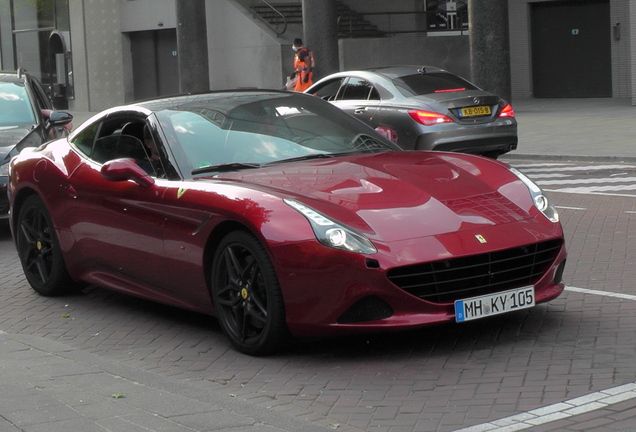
494,304
474,111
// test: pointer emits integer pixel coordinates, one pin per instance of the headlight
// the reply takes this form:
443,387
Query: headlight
331,233
539,198
4,170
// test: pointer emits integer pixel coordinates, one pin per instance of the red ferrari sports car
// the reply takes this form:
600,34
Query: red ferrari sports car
282,216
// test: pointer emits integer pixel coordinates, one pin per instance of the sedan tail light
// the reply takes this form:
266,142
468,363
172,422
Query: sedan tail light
507,111
429,118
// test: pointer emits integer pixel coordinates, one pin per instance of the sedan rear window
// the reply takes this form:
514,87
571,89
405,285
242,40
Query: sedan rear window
422,84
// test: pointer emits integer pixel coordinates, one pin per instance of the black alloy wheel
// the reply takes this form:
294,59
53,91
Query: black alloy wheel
247,296
39,250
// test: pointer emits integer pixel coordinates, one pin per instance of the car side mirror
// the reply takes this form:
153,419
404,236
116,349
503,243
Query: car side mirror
57,118
126,169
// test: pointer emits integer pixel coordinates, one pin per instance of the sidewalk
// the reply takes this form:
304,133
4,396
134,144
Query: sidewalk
51,387
603,129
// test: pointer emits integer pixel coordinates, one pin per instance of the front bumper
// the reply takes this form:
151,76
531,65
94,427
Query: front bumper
338,293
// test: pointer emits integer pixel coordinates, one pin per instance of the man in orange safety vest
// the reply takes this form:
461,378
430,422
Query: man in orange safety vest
303,66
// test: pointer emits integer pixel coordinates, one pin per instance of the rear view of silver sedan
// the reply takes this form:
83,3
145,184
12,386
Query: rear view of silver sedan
424,108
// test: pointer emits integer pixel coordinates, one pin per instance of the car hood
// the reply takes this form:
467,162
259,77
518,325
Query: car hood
14,135
392,196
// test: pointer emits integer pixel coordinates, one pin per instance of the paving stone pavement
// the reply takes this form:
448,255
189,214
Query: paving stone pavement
63,360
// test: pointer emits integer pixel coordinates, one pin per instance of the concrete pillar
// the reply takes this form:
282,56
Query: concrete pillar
490,46
321,35
192,46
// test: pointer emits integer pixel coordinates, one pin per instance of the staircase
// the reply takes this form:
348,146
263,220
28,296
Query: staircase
351,24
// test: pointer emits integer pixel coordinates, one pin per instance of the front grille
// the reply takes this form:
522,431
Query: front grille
459,278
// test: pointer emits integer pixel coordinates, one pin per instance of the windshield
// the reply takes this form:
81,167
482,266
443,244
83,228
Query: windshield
433,82
15,109
218,137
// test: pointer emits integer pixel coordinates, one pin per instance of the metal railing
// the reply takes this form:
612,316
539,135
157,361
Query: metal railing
279,19
407,22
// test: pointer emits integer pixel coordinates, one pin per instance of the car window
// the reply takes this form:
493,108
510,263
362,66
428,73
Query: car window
358,89
15,108
374,95
41,99
264,132
329,89
121,138
188,128
83,140
434,82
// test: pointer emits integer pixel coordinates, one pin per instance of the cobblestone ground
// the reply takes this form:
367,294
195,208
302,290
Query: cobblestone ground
439,379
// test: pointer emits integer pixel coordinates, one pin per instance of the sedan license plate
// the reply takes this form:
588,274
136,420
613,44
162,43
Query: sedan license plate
474,111
494,304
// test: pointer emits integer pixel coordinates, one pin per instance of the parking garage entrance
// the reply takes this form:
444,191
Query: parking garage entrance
571,49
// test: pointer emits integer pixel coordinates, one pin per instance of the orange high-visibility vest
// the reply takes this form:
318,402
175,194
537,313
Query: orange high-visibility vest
302,69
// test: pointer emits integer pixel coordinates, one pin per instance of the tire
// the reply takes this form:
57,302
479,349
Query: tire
39,251
247,297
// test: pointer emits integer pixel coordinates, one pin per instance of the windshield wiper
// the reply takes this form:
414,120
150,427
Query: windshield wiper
306,157
232,166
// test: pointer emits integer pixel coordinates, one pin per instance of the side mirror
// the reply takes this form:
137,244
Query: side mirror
57,118
126,169
60,118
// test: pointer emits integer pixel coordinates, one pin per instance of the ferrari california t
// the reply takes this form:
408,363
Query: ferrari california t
281,216
424,108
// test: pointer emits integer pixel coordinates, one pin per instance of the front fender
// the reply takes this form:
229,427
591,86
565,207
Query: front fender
43,172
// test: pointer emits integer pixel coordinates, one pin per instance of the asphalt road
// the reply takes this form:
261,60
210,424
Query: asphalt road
567,365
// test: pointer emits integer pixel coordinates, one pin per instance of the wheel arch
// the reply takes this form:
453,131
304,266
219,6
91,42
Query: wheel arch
18,202
212,244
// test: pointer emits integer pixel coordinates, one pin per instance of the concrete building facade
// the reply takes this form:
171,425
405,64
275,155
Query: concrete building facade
620,31
117,51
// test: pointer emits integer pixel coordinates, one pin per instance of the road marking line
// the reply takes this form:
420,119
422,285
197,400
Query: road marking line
541,165
569,408
582,168
601,293
572,208
558,411
549,175
586,181
590,191
598,189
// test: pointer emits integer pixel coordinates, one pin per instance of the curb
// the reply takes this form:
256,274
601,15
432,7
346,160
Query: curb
574,158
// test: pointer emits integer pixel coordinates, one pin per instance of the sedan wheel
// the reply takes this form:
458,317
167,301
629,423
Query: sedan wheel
246,295
39,250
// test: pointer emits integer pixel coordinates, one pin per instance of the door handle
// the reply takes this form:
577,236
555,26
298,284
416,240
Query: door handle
360,111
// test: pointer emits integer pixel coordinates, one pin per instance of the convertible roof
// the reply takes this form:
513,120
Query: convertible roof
223,100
